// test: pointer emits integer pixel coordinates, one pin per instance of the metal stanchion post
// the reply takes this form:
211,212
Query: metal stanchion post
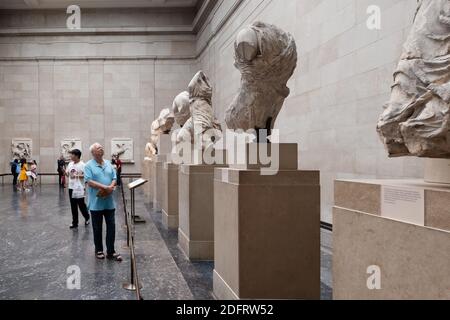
135,218
130,217
125,226
128,226
134,284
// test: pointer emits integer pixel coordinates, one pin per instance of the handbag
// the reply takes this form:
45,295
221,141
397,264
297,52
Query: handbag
78,190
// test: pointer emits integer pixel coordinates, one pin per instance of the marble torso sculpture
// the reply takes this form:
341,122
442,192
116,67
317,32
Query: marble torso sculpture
416,120
202,122
266,56
181,108
162,125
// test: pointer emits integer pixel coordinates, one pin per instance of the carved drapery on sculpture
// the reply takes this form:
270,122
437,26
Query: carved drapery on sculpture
202,123
162,125
416,120
266,56
69,144
181,108
21,149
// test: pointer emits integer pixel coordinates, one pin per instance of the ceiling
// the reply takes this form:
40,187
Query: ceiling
58,4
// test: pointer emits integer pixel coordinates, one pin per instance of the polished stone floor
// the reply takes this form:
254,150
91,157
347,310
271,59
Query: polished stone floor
37,248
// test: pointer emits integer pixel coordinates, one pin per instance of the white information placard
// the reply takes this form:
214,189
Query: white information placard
137,183
403,204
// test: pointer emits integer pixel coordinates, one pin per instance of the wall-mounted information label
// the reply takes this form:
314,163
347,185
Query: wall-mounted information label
404,204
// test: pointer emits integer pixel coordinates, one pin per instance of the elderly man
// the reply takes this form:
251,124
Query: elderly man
101,178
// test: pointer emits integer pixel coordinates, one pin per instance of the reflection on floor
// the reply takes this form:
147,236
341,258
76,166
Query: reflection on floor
37,247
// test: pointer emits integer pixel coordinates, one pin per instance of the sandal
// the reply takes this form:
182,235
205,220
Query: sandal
115,256
100,255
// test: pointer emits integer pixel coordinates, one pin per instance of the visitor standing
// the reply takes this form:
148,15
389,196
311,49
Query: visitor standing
33,173
15,170
119,171
113,163
75,173
23,177
101,178
61,169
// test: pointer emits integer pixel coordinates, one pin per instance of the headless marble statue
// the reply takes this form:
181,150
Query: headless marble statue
416,120
162,125
181,108
202,123
266,56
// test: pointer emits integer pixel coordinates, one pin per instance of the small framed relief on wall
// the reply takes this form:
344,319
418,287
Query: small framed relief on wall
70,144
22,148
123,148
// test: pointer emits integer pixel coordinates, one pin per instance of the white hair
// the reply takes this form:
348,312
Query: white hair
91,148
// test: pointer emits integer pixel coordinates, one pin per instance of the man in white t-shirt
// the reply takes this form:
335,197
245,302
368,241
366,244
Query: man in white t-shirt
75,173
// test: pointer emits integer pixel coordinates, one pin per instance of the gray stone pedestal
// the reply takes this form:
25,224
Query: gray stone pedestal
267,232
147,174
399,227
158,181
437,171
196,211
164,151
170,196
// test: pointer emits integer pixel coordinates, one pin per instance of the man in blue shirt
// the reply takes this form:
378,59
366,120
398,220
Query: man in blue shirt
101,178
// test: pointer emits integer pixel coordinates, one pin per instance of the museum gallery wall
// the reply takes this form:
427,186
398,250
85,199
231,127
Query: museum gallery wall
337,92
87,87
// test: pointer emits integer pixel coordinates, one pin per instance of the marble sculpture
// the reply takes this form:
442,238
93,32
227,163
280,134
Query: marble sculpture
69,144
21,149
162,125
123,148
181,108
266,56
416,120
202,122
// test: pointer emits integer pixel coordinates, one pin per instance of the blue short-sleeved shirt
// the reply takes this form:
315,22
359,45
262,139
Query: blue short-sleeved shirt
104,174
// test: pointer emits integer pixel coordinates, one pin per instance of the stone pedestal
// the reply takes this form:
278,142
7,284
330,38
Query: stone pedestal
147,165
165,144
437,171
164,151
196,211
158,181
399,227
170,196
248,156
267,232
